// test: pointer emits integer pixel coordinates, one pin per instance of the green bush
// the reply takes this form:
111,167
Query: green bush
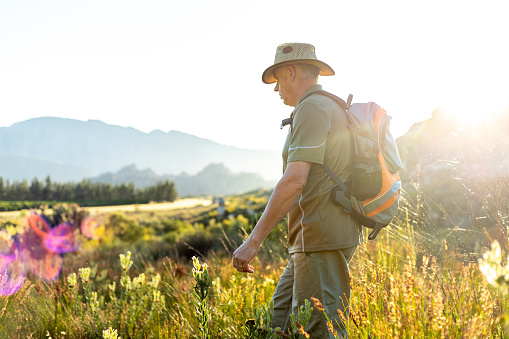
128,230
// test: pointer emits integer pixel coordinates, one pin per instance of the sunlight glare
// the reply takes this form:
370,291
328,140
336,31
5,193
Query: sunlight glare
471,108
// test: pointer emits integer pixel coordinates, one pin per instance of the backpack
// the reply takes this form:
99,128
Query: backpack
372,196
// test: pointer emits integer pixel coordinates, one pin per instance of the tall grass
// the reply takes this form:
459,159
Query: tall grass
406,284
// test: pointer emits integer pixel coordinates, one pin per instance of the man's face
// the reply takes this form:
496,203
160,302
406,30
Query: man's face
284,85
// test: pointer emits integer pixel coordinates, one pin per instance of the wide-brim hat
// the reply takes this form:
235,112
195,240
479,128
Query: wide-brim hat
292,54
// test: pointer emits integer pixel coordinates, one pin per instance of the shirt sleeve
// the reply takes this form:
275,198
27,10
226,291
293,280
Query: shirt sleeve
310,129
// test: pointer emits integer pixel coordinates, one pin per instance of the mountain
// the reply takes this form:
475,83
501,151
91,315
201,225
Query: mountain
70,149
19,167
215,179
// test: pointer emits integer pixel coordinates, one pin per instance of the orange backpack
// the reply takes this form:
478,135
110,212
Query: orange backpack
372,196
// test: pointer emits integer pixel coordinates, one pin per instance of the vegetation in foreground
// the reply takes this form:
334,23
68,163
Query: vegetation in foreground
139,281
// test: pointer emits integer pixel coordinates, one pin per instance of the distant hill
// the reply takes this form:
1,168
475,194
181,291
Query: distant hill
215,179
69,149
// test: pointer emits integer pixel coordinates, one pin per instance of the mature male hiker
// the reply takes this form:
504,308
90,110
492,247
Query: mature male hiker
322,236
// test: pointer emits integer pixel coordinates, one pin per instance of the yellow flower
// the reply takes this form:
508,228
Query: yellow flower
85,274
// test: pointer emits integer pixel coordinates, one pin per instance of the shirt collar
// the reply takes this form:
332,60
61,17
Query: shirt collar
311,89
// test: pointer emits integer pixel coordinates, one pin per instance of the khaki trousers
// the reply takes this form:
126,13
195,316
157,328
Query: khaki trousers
323,275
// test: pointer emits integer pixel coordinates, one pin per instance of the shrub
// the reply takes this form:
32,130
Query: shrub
125,229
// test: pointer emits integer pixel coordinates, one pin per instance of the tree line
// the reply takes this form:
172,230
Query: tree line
86,192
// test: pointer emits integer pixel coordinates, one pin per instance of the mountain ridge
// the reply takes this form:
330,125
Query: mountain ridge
214,179
96,147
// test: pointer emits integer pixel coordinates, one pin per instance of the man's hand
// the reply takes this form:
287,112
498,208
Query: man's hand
284,196
243,256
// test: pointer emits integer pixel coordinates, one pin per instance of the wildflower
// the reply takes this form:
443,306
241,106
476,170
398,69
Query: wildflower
155,280
301,329
85,274
125,261
342,316
196,263
201,290
94,303
139,281
268,282
496,274
200,272
112,287
318,304
72,280
331,328
125,282
157,296
216,283
110,334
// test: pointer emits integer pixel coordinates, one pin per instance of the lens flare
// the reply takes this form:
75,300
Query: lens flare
40,260
61,239
12,269
92,228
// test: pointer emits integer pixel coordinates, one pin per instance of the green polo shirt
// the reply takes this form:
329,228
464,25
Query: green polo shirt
319,135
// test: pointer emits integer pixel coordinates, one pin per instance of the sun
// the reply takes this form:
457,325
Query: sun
474,110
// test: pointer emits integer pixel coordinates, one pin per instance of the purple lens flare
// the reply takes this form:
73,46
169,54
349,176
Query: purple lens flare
12,268
61,239
38,248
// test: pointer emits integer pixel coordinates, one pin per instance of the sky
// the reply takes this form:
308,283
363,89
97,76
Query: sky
196,66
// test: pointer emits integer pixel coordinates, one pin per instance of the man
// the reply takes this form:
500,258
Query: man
322,236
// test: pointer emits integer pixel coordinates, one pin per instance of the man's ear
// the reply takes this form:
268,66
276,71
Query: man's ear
292,73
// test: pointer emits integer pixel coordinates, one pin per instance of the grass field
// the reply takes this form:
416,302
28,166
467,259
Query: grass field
146,285
178,204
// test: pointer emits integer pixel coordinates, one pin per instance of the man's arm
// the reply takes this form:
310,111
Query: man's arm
286,192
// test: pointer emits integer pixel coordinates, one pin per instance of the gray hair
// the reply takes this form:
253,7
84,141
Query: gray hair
307,71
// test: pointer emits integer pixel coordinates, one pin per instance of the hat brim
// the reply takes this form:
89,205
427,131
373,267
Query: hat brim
268,74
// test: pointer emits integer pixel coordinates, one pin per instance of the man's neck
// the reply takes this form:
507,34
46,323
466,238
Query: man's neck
303,86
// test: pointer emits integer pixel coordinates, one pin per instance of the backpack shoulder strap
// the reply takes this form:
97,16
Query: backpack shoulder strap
337,99
339,194
341,103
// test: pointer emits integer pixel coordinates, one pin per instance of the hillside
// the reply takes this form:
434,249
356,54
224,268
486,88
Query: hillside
71,149
215,179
